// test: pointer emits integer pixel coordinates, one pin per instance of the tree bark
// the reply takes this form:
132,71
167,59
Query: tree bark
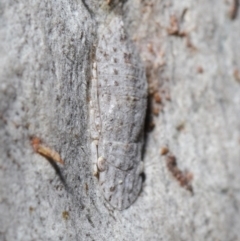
191,155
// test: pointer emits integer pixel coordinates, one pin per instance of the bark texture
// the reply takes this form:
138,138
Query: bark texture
191,53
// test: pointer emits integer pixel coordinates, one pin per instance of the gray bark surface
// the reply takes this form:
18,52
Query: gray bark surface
191,53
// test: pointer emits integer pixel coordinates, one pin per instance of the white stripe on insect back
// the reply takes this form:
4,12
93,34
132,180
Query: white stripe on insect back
117,113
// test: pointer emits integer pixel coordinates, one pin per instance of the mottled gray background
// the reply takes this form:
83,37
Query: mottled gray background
45,67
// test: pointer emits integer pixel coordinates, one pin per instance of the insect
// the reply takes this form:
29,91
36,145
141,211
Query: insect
117,115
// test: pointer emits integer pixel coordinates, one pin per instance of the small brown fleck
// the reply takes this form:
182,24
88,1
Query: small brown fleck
168,97
16,125
86,187
108,2
180,127
171,161
115,72
3,119
31,209
174,28
156,111
150,48
236,75
164,151
123,37
65,215
151,126
189,176
105,55
233,10
157,98
127,58
112,189
183,177
200,69
190,44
